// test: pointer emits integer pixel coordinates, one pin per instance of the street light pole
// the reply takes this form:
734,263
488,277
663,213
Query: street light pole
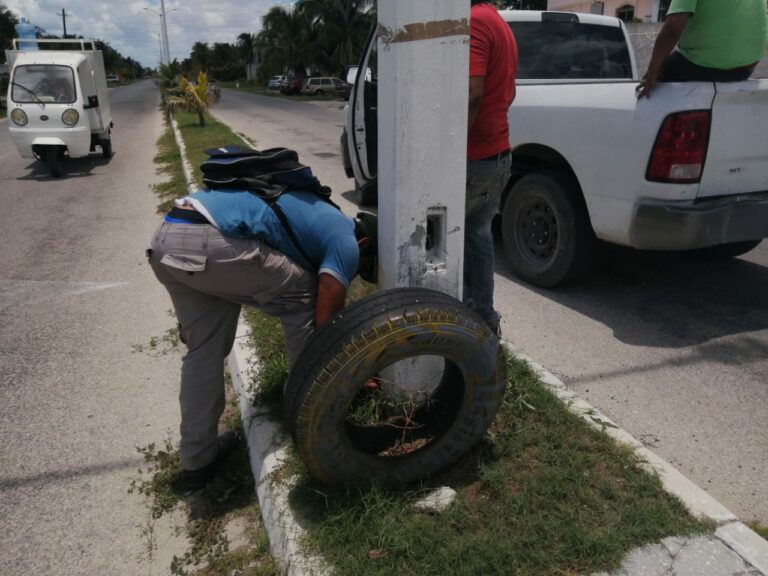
165,33
165,51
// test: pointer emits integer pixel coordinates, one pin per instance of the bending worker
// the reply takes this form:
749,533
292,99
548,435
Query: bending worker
219,249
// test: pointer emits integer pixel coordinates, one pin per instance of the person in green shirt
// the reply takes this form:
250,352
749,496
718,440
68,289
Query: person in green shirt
717,41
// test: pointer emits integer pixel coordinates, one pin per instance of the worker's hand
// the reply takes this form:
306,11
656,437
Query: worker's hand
646,85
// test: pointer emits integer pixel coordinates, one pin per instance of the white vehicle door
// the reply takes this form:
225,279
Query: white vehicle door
362,122
737,158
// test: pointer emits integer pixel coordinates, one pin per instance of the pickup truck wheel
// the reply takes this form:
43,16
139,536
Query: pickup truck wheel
319,92
367,194
55,155
546,232
351,427
730,250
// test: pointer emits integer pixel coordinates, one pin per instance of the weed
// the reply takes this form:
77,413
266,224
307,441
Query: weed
160,346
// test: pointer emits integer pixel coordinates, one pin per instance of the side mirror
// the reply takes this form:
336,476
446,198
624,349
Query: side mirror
93,102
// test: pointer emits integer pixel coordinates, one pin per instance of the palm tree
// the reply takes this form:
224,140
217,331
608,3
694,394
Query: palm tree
167,77
342,27
191,97
284,41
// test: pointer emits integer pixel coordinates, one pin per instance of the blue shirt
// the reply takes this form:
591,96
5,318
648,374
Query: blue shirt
325,233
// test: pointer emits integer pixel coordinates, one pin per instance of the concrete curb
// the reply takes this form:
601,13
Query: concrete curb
268,446
185,165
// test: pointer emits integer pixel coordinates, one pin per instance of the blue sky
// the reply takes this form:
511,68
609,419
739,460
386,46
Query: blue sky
134,32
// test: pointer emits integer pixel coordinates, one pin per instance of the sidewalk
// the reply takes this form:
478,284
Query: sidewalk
733,550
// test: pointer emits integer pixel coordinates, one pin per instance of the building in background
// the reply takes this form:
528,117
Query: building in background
627,10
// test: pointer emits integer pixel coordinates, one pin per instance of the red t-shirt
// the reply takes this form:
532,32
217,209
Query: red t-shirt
493,54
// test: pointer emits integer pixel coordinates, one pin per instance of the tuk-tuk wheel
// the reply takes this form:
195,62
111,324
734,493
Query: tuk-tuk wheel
55,156
106,146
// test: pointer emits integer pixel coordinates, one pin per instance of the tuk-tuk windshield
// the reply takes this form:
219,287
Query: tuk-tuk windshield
43,83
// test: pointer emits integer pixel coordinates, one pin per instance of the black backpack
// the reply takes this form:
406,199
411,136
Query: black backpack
266,174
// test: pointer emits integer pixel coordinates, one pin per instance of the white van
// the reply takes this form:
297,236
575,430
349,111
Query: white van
58,103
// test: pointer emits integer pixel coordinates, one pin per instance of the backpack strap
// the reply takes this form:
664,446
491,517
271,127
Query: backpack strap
288,230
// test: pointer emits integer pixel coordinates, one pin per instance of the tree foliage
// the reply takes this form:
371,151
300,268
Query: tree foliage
322,35
8,21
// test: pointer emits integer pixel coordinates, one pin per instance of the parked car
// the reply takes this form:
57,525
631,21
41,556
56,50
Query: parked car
683,170
292,86
112,79
276,82
319,85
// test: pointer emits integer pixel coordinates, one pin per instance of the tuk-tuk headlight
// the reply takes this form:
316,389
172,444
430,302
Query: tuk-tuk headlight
70,117
19,117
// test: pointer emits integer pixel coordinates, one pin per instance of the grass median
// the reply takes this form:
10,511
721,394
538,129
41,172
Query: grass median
543,494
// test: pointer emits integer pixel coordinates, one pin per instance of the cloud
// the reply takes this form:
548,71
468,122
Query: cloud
133,31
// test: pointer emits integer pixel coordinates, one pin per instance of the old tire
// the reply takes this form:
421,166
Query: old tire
365,338
546,233
106,147
55,156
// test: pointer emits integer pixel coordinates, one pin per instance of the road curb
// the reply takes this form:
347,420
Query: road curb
267,448
185,165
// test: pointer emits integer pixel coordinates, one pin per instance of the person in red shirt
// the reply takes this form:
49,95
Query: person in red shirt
492,72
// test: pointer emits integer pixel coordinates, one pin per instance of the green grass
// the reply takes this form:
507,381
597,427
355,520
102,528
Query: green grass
544,494
169,160
761,529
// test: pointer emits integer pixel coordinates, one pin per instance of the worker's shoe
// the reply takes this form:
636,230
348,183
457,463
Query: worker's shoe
192,480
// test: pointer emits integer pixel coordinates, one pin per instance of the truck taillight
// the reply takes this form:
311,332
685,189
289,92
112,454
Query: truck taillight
681,148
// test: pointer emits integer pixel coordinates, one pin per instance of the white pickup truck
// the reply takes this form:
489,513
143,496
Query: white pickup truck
686,169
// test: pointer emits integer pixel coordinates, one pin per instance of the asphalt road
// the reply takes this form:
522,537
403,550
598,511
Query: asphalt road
674,349
76,400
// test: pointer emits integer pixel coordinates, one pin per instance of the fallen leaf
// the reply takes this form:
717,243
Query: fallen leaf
376,554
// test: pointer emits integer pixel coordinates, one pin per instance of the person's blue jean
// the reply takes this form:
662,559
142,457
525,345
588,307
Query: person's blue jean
485,182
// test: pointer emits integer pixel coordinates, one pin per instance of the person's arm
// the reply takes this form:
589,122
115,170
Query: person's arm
476,92
666,41
331,295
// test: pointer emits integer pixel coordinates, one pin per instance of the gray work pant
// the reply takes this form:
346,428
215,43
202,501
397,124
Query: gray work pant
209,276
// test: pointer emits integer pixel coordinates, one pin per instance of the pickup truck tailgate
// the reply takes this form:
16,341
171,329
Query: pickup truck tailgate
737,159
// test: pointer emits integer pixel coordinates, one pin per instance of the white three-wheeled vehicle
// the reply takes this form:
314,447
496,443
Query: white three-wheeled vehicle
57,102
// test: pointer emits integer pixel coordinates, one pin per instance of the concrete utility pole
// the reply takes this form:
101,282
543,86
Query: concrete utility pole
423,84
423,98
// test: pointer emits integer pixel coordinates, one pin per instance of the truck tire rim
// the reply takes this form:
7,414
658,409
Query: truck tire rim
537,230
